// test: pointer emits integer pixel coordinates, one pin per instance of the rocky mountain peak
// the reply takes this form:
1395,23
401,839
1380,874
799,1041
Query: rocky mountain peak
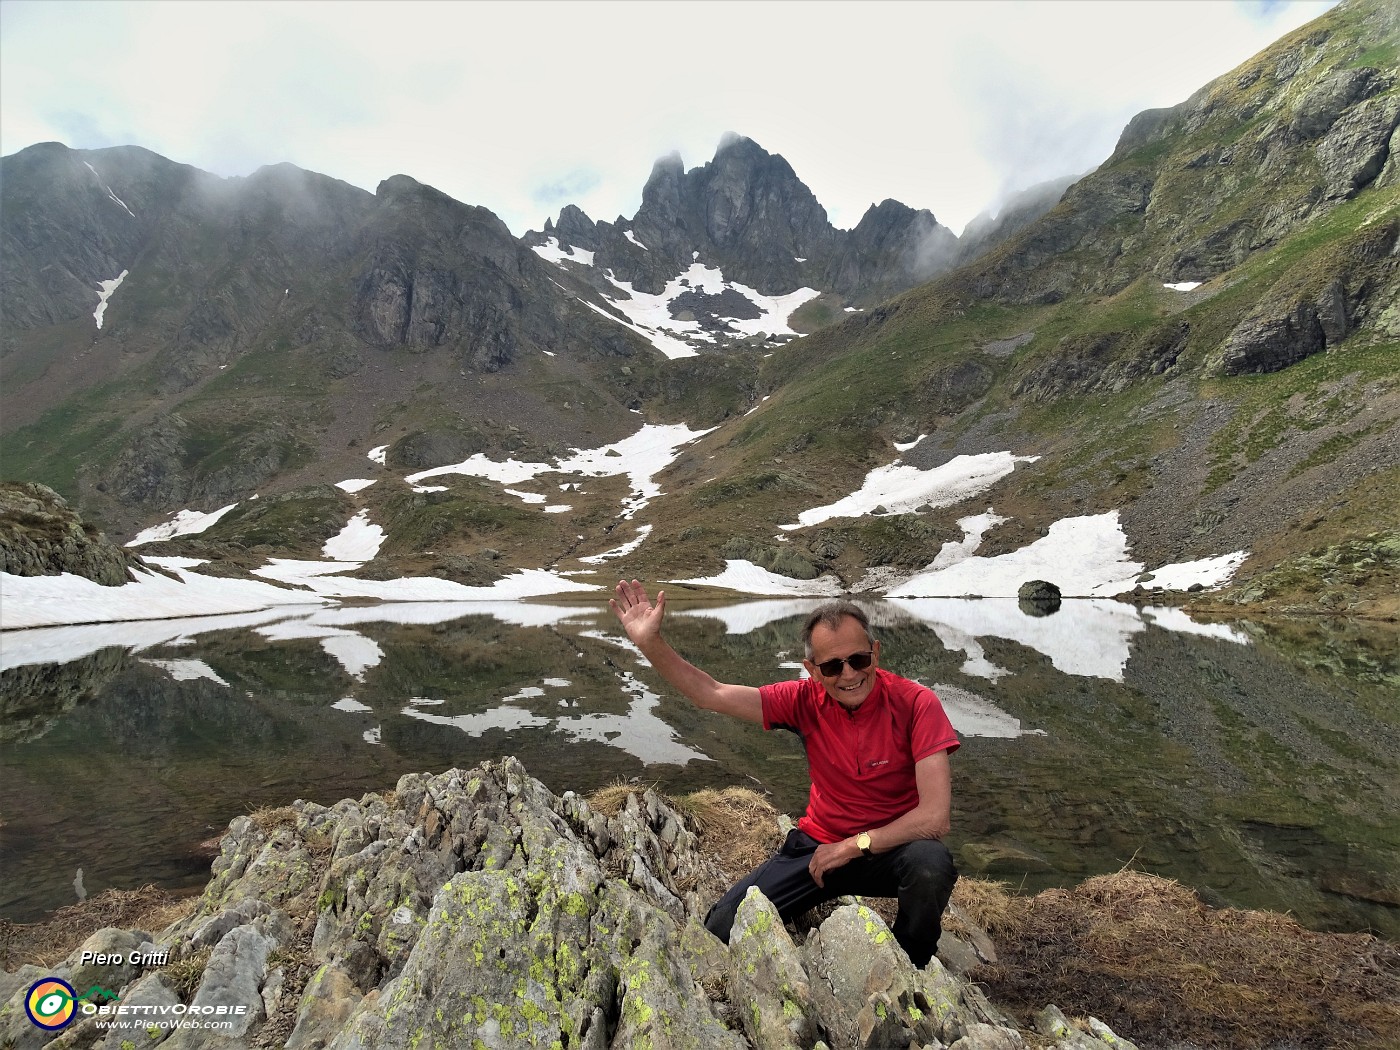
661,192
756,232
575,227
399,186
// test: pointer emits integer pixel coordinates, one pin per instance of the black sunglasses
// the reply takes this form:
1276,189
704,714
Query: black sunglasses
858,662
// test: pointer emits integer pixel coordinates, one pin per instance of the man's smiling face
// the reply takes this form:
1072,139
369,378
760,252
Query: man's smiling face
848,687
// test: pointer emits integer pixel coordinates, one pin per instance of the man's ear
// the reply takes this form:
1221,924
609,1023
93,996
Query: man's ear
811,669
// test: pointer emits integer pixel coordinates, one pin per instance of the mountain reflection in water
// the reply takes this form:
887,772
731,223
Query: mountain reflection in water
1257,766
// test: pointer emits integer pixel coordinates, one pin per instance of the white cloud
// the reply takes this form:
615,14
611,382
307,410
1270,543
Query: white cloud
941,105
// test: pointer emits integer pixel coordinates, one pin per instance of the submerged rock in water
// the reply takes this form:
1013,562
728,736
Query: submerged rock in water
475,908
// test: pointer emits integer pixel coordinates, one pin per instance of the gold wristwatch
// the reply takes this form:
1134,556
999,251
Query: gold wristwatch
863,843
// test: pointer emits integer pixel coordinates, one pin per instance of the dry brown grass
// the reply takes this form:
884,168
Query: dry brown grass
1146,956
985,902
49,942
737,827
609,800
271,819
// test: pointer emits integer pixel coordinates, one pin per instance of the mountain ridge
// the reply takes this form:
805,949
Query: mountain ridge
1196,338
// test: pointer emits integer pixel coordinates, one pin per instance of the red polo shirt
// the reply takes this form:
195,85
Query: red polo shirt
861,762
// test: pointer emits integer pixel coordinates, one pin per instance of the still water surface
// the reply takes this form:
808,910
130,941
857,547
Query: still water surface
1260,766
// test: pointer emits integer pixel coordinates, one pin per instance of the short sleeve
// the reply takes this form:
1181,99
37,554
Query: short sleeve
781,705
932,732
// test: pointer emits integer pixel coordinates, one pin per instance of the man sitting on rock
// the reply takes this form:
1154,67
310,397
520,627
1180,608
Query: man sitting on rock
877,753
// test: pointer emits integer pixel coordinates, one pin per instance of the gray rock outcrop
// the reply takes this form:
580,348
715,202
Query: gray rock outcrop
40,535
475,908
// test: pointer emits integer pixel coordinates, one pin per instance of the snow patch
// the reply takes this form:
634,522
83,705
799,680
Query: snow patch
672,347
745,576
181,523
110,195
354,484
643,531
552,251
320,578
360,540
37,601
377,454
1183,286
650,314
633,238
901,488
1084,556
640,457
1208,572
104,292
974,527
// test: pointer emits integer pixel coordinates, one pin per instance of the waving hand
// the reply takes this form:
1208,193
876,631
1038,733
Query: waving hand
639,617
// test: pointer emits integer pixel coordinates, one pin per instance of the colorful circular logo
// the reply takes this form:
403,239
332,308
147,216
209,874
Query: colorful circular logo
51,1003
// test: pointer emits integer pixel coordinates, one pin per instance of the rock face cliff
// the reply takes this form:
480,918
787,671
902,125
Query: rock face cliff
475,908
221,333
1193,191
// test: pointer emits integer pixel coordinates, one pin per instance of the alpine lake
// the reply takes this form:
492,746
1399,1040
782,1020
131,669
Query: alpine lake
1256,762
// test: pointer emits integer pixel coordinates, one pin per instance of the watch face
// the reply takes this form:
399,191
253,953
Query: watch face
863,841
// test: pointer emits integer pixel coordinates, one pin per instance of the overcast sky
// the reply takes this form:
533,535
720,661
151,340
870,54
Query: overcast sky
525,107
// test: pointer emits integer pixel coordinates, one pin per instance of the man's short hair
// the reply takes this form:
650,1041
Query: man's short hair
830,615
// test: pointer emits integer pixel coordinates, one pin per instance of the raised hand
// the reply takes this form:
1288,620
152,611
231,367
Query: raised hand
639,617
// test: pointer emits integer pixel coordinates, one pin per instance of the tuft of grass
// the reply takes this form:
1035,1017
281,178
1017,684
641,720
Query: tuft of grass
271,819
185,974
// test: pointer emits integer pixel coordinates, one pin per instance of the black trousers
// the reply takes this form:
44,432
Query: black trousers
920,873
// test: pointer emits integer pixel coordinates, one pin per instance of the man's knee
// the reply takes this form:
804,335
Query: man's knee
720,919
927,863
